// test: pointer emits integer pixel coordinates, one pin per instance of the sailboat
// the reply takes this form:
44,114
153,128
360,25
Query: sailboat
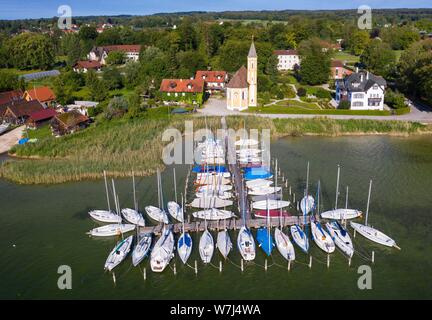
114,229
163,251
206,246
245,241
175,210
308,202
262,191
184,243
270,204
224,243
264,237
258,183
319,235
300,238
213,214
142,248
372,233
104,215
340,214
283,243
133,215
119,253
158,213
220,195
340,237
210,202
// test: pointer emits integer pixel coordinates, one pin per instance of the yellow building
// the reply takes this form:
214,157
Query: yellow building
242,89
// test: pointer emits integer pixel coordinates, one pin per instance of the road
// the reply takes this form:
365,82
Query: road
11,138
419,113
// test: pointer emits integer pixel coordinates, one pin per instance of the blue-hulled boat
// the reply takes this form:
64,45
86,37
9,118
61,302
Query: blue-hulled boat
257,173
184,247
265,240
201,169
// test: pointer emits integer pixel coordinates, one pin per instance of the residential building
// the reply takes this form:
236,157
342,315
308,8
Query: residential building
287,59
364,91
242,88
42,94
214,80
338,70
131,52
9,96
85,66
182,90
81,106
68,122
39,118
18,112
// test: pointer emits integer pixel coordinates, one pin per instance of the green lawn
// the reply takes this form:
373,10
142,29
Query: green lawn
296,109
349,58
39,133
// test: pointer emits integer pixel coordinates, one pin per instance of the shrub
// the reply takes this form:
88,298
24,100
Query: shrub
117,107
301,92
344,104
394,99
323,94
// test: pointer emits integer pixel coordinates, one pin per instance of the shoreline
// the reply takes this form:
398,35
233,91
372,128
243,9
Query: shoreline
85,155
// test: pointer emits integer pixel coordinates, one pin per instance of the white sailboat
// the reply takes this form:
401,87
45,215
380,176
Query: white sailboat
246,142
321,237
184,243
142,248
213,214
211,202
220,195
119,253
224,243
212,180
308,202
163,251
258,183
263,191
175,210
284,245
214,189
205,175
246,244
133,215
206,246
341,214
158,213
370,232
111,230
300,238
340,237
105,216
270,204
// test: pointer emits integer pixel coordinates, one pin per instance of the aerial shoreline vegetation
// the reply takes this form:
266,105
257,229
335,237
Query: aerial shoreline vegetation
120,146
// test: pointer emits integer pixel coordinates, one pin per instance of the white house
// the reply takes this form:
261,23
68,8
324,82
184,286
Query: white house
364,91
100,54
287,59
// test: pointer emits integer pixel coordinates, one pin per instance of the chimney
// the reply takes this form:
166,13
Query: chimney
356,69
367,75
361,77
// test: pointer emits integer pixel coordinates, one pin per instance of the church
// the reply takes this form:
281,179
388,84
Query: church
242,89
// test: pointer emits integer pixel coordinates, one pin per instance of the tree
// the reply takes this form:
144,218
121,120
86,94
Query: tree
271,67
188,36
189,62
232,55
116,108
98,88
394,99
31,51
400,38
10,81
132,75
359,41
415,69
115,58
154,64
71,46
88,33
379,58
135,107
63,93
315,63
112,78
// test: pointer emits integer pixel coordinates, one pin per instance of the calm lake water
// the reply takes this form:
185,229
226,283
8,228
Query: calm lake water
43,227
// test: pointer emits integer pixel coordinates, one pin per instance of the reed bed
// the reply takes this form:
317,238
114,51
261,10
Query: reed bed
122,145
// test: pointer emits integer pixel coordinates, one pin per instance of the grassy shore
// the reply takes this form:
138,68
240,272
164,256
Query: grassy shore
122,145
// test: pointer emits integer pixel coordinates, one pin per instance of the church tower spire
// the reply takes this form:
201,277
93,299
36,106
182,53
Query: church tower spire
252,73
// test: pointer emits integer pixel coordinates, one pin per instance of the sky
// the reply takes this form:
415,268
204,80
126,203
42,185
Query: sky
19,9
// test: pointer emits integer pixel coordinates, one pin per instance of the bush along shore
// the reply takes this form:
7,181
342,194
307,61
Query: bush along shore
122,145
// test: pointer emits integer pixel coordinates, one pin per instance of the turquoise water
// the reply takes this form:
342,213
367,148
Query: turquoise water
43,227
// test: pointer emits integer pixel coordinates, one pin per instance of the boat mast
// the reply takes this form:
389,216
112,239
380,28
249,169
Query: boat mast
307,186
337,186
106,191
182,206
158,187
318,197
175,185
134,192
368,201
346,197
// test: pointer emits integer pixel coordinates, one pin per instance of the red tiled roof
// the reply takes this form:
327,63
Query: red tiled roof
124,48
182,85
25,108
285,52
43,114
88,65
42,94
8,96
211,76
337,64
239,80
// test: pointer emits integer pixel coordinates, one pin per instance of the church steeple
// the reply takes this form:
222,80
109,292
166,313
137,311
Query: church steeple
252,71
252,51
